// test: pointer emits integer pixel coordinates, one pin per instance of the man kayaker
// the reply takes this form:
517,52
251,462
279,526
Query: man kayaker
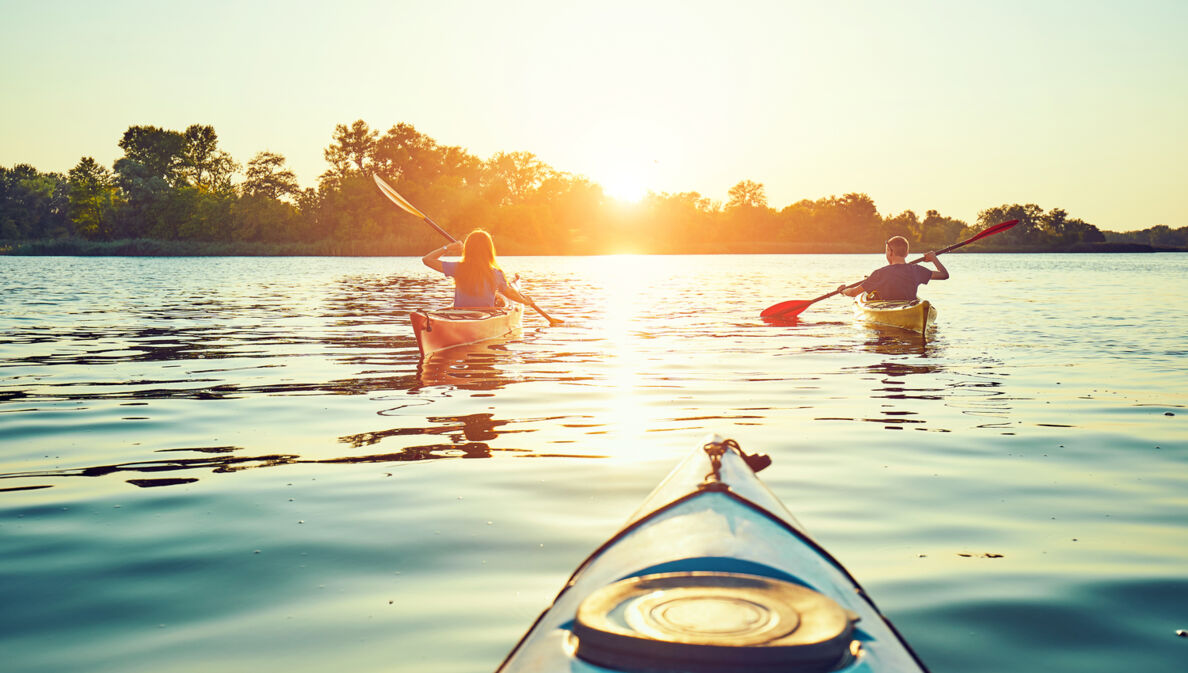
898,280
477,276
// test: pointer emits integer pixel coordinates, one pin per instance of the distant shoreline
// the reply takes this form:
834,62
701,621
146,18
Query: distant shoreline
174,193
72,247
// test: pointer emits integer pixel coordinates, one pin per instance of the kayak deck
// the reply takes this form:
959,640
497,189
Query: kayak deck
712,574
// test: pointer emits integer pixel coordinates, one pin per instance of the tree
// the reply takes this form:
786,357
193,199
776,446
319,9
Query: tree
515,175
148,174
1026,234
32,204
444,179
835,224
1160,235
350,152
1091,234
682,222
267,177
937,231
198,214
798,222
1061,230
747,217
1037,230
853,218
159,153
563,209
92,199
258,218
746,194
405,154
1164,236
905,224
203,163
459,167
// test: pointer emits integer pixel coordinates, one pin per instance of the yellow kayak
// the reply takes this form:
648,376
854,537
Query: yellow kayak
915,315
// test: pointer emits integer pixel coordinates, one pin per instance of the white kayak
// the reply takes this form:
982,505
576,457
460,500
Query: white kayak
453,327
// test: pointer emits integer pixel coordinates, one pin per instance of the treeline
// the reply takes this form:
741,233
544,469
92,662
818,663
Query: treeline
1161,237
178,192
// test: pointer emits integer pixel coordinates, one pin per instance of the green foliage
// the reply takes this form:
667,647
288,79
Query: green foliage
937,231
350,152
174,192
1036,230
404,155
33,204
257,217
203,164
152,153
93,199
514,177
268,178
350,208
746,194
1160,236
906,224
836,224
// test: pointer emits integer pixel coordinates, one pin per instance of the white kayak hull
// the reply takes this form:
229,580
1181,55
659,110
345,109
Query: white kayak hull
447,328
711,521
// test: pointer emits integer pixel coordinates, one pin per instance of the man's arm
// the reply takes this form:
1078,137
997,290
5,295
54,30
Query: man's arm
940,273
851,292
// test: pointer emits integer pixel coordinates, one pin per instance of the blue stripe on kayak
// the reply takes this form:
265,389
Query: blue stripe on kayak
755,507
724,564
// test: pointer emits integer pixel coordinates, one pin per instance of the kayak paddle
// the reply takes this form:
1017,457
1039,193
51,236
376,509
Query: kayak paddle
792,307
409,208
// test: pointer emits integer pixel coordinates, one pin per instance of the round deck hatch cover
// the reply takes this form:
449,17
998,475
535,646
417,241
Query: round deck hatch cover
711,622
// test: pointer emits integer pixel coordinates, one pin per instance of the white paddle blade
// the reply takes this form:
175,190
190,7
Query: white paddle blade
396,198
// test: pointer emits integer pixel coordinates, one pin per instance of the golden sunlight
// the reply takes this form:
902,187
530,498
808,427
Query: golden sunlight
621,289
625,188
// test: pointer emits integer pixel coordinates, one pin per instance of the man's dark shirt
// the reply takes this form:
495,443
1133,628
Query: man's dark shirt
897,281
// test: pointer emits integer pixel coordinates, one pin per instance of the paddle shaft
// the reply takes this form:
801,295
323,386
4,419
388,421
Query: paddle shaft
989,231
404,205
443,232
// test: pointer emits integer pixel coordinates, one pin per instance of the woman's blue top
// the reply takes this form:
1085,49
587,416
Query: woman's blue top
484,298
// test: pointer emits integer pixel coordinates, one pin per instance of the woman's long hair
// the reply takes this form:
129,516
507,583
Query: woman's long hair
474,273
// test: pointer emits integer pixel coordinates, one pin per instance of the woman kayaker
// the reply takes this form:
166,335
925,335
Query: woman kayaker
898,280
477,276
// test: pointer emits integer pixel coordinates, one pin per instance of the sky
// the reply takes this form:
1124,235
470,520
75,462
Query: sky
955,106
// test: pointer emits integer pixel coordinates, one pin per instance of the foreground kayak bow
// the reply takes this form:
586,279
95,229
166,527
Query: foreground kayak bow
712,575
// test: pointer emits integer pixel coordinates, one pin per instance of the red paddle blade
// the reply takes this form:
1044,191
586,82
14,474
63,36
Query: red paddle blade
786,309
781,320
990,231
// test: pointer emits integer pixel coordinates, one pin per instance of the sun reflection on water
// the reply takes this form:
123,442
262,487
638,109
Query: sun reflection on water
626,280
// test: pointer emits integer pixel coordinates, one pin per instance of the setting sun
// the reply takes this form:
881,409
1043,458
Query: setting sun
626,188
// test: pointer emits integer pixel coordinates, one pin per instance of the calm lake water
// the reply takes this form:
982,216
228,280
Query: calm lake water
241,464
